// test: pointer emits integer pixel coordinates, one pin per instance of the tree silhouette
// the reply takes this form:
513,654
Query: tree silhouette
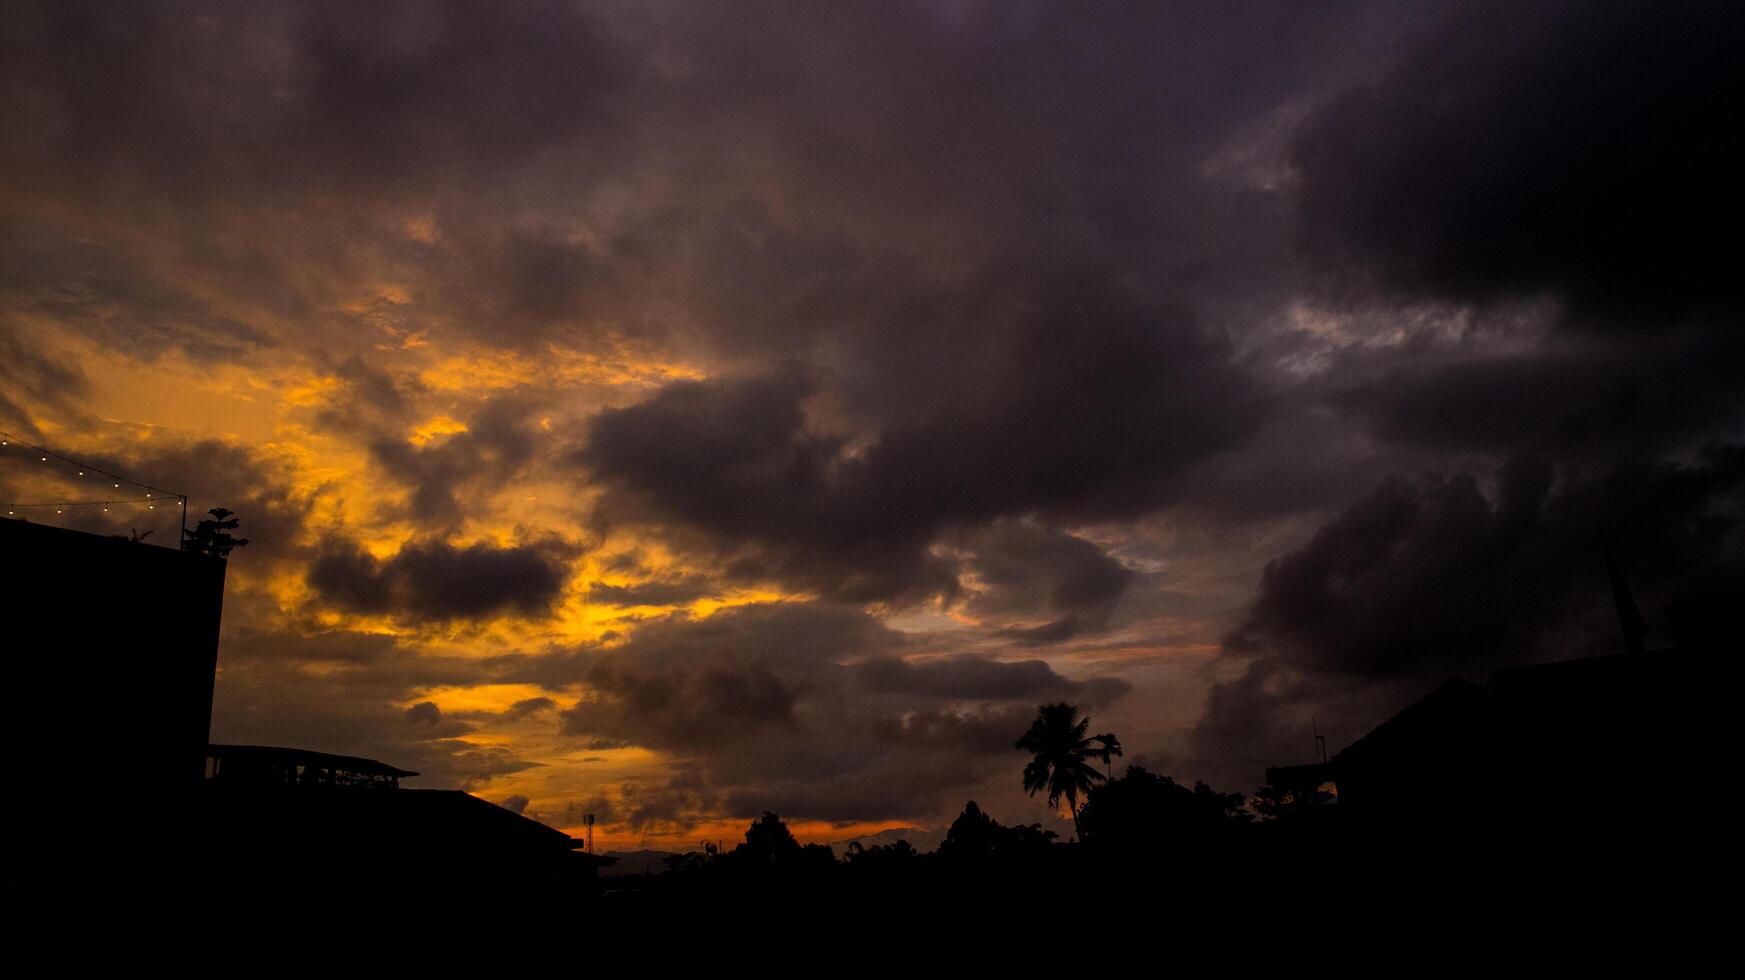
891,857
768,841
1063,754
1125,814
212,537
976,837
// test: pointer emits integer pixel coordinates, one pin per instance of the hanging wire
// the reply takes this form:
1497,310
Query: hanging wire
8,440
150,502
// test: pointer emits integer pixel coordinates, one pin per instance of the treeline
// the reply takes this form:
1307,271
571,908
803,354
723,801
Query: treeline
1129,825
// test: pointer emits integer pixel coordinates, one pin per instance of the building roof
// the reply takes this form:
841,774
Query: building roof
466,813
1587,673
1303,778
274,754
1452,712
426,821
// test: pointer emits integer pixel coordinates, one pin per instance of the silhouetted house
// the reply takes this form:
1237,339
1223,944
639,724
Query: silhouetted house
1576,749
1578,744
1619,738
1422,760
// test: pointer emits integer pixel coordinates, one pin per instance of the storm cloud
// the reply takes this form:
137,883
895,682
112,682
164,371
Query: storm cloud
1433,578
1569,148
673,411
436,580
805,698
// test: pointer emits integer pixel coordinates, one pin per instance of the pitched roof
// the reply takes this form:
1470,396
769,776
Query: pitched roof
1451,710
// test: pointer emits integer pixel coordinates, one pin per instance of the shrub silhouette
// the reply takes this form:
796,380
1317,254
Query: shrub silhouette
1271,803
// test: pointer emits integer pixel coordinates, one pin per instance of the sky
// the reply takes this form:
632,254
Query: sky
677,411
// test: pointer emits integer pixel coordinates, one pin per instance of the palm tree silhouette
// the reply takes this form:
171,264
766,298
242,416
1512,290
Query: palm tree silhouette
1063,756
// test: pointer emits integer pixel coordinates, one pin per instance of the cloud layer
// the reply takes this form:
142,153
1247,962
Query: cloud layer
671,413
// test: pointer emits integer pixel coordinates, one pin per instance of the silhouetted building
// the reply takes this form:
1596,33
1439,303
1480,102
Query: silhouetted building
272,765
1422,760
290,827
115,643
1574,749
1590,744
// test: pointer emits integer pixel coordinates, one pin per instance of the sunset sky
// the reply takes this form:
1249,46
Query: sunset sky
677,411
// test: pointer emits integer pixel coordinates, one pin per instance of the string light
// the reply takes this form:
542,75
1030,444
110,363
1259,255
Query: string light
44,455
152,494
105,504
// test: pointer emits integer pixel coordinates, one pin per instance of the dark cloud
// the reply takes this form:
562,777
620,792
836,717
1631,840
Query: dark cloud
32,380
1054,364
434,580
919,762
302,96
367,399
733,458
655,592
356,650
451,475
1500,404
432,724
676,805
574,812
423,713
720,699
343,692
530,707
797,639
1057,318
1427,579
1566,148
1600,403
1022,569
807,706
99,291
961,677
1082,411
